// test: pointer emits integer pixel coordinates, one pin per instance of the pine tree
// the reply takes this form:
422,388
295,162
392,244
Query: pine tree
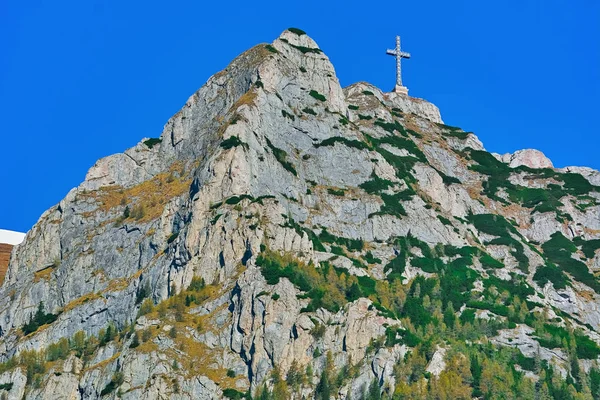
323,390
476,373
78,343
374,392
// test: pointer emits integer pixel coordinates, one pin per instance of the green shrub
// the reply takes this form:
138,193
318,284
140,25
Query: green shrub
351,244
317,95
415,133
336,192
587,349
305,50
271,48
444,220
448,127
402,165
353,107
371,259
488,261
376,184
233,200
297,31
448,180
338,139
234,394
430,265
466,251
317,245
391,127
550,273
288,115
588,247
368,93
559,250
172,237
453,131
309,111
392,204
576,184
492,224
281,156
233,141
152,142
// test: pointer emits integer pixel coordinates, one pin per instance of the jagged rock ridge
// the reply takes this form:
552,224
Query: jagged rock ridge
283,226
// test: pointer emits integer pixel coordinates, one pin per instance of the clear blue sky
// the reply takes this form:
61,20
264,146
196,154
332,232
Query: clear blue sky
80,80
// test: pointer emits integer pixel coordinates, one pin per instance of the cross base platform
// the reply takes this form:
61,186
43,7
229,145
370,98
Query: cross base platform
401,90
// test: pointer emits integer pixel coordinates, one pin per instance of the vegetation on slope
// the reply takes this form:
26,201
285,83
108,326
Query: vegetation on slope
427,308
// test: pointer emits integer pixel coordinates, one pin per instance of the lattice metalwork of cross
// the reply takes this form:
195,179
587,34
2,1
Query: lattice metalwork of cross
399,54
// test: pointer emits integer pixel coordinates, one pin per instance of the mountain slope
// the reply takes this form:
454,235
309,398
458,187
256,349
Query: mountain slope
282,226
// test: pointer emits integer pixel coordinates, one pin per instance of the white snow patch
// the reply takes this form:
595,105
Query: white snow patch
11,237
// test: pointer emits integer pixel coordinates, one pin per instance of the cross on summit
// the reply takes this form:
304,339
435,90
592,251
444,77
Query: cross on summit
399,56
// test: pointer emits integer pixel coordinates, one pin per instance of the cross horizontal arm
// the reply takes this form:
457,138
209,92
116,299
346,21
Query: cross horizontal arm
391,52
404,54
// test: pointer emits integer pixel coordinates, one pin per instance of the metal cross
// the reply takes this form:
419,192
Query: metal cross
399,56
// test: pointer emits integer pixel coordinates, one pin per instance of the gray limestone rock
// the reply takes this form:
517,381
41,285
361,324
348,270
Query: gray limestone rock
270,154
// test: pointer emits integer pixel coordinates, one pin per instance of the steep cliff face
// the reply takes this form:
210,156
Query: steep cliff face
281,224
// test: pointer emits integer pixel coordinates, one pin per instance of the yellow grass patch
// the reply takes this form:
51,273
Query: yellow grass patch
147,200
81,300
246,99
43,274
117,285
586,294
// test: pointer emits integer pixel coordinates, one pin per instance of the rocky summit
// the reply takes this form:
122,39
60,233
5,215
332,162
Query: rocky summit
285,237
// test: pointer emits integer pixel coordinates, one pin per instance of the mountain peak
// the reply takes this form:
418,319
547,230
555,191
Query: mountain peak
299,38
284,236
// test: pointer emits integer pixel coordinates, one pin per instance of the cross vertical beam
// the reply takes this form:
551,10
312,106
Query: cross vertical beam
399,54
